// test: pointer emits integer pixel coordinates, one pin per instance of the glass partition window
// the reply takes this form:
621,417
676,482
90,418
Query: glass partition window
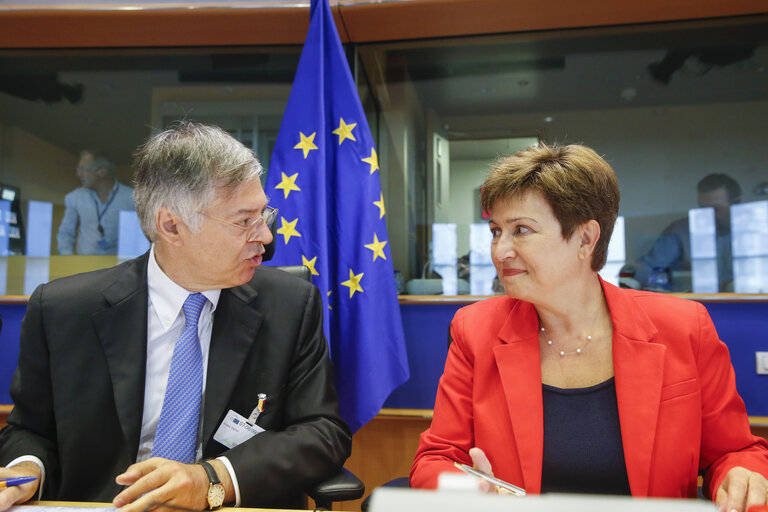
70,122
680,111
667,105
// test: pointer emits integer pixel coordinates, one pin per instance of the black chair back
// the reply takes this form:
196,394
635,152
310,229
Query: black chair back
300,271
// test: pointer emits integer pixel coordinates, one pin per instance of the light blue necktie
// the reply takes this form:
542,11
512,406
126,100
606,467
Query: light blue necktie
176,435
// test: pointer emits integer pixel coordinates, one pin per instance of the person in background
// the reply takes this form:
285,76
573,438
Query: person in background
570,384
190,376
672,249
92,211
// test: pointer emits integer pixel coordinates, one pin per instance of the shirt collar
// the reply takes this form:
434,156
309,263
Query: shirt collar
167,297
113,190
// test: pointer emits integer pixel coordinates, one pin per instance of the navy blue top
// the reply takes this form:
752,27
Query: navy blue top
583,452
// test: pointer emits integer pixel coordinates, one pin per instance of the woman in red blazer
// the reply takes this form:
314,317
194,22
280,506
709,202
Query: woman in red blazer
571,384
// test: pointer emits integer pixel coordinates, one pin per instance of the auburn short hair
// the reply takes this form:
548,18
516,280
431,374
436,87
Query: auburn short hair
576,182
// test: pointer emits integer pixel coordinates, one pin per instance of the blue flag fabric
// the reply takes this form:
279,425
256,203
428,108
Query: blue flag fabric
324,179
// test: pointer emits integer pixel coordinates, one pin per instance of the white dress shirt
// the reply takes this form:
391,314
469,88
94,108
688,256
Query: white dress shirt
165,321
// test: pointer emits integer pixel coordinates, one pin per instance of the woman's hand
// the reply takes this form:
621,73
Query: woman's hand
481,463
740,490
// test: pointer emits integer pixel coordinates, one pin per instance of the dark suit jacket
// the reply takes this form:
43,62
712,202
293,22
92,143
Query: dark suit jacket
675,387
79,387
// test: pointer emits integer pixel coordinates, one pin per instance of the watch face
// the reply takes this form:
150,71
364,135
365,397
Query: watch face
216,495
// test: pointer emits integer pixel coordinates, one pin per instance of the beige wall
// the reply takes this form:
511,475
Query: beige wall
41,170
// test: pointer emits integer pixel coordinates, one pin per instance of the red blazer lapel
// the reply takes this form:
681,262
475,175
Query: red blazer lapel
638,366
519,366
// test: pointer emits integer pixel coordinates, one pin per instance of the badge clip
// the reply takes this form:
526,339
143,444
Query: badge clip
257,410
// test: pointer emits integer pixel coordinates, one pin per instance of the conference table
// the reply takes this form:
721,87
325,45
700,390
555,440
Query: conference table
409,500
41,505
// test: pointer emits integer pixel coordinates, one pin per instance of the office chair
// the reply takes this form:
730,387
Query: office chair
344,486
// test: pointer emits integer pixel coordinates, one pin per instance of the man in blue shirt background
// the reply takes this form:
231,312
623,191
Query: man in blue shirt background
672,249
93,211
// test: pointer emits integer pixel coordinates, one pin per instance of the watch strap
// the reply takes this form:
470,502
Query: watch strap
212,476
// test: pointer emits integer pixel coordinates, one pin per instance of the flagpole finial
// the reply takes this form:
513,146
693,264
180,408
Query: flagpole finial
313,5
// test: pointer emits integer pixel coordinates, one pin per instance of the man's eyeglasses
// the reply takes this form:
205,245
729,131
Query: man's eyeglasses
252,226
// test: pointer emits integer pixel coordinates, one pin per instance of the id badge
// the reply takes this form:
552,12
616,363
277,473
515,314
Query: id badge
235,429
103,244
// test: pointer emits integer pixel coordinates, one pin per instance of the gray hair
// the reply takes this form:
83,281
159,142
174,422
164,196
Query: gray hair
181,168
100,161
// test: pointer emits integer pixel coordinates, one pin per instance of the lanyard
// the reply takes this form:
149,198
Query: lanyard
99,212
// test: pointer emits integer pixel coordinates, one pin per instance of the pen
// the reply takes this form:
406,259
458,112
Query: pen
517,491
19,480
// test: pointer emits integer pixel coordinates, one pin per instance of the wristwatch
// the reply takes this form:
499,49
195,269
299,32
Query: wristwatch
216,490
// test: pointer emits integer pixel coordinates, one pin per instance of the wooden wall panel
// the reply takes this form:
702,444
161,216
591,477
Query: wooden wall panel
219,24
51,28
383,450
366,22
5,410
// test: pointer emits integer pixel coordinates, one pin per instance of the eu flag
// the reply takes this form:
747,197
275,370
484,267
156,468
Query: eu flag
324,179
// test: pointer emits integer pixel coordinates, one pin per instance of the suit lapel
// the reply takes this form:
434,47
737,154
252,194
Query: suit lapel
234,332
122,331
519,365
639,369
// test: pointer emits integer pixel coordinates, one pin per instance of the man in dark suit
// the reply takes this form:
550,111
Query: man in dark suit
112,399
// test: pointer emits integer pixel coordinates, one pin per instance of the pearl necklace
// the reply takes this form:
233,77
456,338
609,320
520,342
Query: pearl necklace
563,352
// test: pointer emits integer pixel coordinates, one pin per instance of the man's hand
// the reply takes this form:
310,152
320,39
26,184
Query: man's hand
19,493
157,481
740,490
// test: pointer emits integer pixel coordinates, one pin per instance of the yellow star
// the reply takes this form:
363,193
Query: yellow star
372,160
288,229
288,184
310,264
344,131
307,143
377,247
329,300
354,283
380,205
